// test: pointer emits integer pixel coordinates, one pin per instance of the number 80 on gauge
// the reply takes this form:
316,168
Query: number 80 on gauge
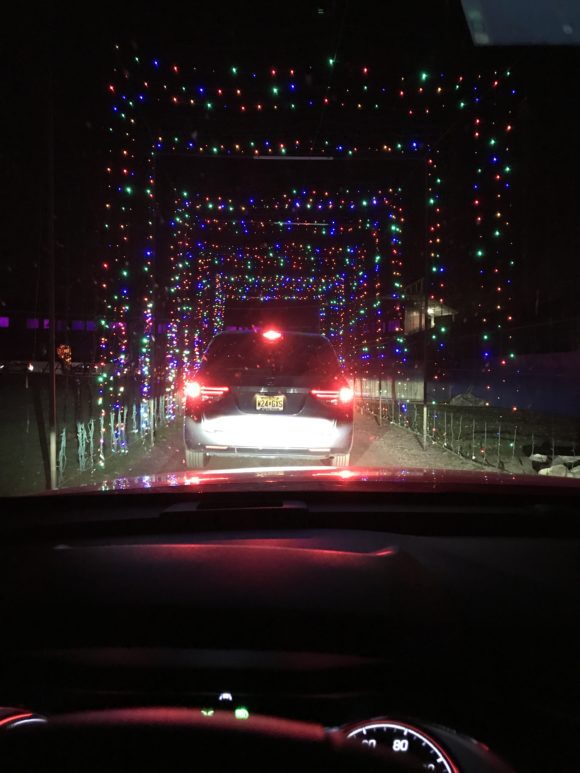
421,751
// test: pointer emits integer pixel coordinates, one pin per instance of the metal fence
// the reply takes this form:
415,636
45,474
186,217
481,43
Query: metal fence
89,435
515,441
113,432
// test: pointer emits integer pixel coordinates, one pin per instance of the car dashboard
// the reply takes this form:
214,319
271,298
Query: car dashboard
456,650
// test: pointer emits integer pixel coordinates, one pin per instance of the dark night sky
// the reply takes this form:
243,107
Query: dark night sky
393,37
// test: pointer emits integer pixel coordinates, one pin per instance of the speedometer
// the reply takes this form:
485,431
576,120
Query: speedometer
419,750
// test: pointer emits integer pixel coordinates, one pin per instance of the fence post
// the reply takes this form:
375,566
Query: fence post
485,441
113,433
102,438
92,441
81,446
62,456
425,418
152,421
142,419
452,434
119,426
125,437
380,404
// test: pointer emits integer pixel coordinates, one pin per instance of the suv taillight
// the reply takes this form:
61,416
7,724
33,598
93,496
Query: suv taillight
342,396
196,391
192,390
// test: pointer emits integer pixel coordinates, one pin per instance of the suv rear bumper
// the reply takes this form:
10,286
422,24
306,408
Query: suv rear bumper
249,435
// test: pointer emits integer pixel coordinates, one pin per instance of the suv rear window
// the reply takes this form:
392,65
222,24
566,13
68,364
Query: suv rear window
293,355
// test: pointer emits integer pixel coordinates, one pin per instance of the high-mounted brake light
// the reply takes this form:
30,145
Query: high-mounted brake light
272,335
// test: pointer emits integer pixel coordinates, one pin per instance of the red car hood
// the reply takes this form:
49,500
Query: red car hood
320,478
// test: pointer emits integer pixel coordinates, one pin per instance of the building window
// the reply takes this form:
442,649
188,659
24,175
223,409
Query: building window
77,324
32,324
90,325
4,321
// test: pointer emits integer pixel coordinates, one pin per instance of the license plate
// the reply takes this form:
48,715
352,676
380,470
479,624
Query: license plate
269,402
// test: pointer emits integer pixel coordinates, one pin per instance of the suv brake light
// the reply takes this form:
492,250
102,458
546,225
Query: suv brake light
192,390
345,395
195,391
272,335
342,396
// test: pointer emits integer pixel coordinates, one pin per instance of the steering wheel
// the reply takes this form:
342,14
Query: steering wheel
171,740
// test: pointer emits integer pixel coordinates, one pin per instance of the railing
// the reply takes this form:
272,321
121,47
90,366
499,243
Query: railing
516,441
113,432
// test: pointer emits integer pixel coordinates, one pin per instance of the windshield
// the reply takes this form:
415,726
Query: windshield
334,234
288,356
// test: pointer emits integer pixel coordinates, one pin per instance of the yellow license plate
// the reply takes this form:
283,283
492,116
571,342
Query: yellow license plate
269,402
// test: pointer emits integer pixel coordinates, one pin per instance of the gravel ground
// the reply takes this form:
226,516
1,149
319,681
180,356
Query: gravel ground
393,446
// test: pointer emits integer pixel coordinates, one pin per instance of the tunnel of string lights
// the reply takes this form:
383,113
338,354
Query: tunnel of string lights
284,184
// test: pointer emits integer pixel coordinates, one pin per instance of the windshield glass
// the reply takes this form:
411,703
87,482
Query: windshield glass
286,355
328,235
